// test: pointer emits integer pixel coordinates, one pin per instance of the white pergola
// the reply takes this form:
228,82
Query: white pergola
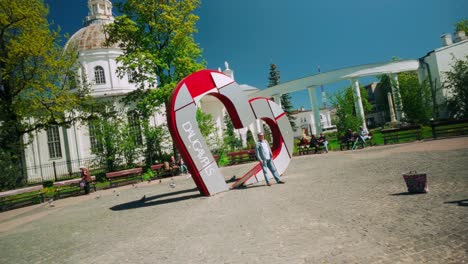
352,74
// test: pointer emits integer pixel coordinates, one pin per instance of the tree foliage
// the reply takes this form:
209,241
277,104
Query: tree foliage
207,127
156,141
462,25
230,140
416,98
106,131
346,114
250,140
457,84
156,37
286,104
36,80
385,87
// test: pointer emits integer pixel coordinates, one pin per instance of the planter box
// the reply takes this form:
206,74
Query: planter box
416,182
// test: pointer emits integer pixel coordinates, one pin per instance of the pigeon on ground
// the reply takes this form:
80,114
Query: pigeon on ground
50,202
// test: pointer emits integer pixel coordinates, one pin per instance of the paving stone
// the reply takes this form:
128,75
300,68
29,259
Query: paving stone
340,207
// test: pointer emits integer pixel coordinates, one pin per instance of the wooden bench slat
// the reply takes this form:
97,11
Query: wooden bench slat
124,172
449,128
124,175
22,190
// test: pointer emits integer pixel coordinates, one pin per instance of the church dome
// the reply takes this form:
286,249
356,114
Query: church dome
90,38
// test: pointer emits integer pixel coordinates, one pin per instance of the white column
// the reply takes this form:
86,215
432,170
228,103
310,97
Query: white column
390,106
259,128
397,97
315,120
358,101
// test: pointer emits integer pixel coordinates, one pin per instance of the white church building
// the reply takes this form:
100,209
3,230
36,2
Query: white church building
60,151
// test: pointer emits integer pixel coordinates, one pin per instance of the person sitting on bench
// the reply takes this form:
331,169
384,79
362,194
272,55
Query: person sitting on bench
322,140
314,143
362,136
349,138
85,179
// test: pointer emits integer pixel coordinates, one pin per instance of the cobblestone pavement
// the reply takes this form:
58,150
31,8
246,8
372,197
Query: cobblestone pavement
341,207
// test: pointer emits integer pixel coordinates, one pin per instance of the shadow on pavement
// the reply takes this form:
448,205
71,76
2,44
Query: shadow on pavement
155,200
459,202
405,193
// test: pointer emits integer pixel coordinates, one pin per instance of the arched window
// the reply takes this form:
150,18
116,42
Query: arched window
135,127
99,76
53,141
131,76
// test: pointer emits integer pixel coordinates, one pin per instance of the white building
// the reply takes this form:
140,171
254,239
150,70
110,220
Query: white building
305,122
437,62
60,151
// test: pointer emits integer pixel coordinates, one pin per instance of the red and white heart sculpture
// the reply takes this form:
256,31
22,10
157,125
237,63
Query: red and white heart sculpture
243,111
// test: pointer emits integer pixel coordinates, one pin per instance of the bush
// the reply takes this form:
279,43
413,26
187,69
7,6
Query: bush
148,175
100,176
223,159
46,184
49,191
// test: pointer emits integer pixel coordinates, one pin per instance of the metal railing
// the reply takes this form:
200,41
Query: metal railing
61,170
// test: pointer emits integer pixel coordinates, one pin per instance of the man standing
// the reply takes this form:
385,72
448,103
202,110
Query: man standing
264,155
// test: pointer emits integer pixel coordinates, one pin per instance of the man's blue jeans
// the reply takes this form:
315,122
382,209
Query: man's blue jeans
271,167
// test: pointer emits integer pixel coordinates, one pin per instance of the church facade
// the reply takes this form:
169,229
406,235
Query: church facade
58,152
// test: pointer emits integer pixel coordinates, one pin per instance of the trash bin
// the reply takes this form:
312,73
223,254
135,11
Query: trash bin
416,182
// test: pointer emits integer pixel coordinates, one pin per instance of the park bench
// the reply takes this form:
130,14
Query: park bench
124,176
305,150
449,128
71,187
165,169
242,156
158,169
357,142
303,147
170,170
407,133
344,143
20,197
348,145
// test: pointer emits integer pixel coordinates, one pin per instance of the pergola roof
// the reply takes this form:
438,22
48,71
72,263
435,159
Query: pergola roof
339,75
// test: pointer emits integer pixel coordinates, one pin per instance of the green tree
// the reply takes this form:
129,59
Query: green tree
130,144
156,138
416,98
462,25
250,140
346,114
286,104
267,133
231,141
106,130
385,87
207,126
457,84
38,87
157,38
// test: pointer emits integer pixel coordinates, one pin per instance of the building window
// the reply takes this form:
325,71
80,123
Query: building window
53,141
99,76
135,127
93,129
131,76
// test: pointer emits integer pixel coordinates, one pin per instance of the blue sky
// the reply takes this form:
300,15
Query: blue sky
299,35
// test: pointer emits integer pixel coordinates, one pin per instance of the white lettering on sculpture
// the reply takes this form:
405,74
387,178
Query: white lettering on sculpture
196,144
